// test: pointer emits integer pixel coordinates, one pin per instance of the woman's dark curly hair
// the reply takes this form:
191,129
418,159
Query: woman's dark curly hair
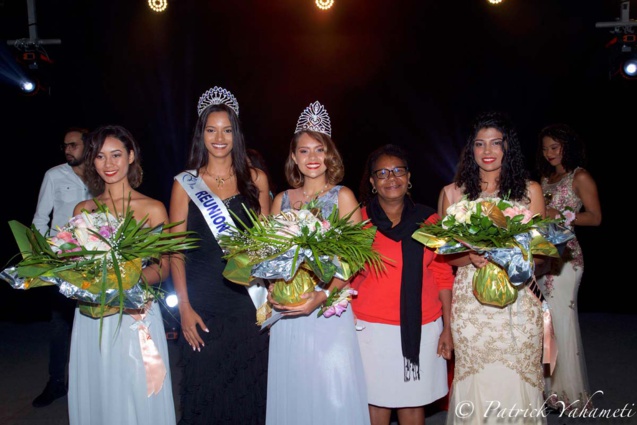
512,182
333,161
198,157
96,140
365,189
573,151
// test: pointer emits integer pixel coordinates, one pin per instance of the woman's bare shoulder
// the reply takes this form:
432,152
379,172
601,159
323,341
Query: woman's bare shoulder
88,205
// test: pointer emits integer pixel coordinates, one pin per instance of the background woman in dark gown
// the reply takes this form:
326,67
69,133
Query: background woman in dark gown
224,353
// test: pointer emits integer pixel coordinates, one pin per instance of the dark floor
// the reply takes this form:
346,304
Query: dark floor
610,342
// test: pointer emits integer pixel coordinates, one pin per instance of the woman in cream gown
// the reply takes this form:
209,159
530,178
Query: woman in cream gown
498,351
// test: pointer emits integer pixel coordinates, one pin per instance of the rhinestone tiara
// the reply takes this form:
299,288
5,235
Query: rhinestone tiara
314,118
217,96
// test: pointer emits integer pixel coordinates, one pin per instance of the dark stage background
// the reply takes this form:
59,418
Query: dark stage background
408,72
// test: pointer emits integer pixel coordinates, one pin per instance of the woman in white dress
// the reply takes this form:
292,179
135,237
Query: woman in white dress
108,380
565,184
315,373
498,351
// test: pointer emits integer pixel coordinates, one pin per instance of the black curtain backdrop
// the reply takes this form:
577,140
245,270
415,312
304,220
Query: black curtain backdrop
413,73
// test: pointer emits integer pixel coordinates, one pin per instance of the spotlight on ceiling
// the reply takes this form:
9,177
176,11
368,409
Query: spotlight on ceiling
324,4
158,5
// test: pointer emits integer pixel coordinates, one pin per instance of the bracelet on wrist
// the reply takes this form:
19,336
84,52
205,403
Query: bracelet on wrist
326,291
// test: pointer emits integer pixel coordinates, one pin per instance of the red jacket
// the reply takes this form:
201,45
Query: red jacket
378,298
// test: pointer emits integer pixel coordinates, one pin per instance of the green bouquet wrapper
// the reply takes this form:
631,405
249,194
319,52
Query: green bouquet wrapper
289,293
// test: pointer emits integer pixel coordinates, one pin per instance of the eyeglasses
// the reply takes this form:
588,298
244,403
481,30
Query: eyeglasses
65,146
384,173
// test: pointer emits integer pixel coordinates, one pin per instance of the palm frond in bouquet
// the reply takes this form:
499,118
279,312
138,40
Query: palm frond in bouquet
96,258
298,249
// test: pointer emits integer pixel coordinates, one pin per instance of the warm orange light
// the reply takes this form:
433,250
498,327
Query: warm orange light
158,5
324,4
495,1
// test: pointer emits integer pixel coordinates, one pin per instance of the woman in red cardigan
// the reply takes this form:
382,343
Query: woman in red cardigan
403,312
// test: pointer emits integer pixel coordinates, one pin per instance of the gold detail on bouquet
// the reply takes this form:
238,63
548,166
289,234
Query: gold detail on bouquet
131,271
491,210
263,313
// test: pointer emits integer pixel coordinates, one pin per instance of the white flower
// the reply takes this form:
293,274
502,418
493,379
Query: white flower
462,210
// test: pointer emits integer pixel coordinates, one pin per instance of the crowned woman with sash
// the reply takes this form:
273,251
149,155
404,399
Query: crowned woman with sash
224,353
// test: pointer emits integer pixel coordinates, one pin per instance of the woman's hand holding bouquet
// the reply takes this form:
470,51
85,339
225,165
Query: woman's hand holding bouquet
503,232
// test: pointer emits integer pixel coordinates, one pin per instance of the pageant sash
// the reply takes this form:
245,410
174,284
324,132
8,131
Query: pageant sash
219,221
211,206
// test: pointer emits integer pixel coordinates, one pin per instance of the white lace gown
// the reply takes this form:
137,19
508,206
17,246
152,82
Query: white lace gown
107,384
498,364
315,372
498,356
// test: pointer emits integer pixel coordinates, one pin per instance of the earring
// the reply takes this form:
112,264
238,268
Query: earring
374,191
409,185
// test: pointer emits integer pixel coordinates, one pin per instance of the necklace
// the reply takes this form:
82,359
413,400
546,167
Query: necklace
221,180
317,194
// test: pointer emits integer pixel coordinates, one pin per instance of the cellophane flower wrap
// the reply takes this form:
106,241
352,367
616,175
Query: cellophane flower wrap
96,258
506,232
298,249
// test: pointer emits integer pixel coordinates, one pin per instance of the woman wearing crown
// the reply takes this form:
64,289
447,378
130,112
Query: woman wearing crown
224,354
315,375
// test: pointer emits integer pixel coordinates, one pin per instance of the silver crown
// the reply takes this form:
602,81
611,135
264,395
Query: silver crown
217,96
314,118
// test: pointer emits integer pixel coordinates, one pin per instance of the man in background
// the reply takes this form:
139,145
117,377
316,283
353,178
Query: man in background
63,187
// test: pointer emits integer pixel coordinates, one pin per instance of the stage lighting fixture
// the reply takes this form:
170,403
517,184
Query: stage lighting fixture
629,68
172,300
623,46
324,4
158,5
28,86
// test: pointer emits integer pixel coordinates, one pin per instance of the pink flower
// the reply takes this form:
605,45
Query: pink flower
329,312
340,304
65,236
106,231
515,211
569,217
336,309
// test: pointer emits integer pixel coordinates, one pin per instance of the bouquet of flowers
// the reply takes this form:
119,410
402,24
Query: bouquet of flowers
299,249
506,232
96,258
